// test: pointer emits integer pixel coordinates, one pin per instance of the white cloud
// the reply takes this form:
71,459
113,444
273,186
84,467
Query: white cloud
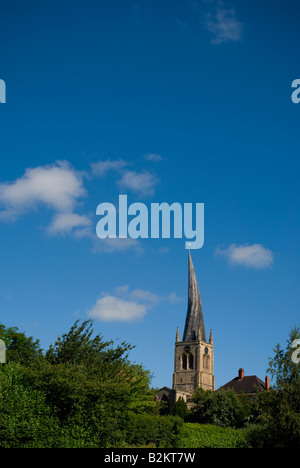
65,223
154,157
250,256
142,183
101,168
138,295
125,305
58,186
111,308
119,244
120,290
174,299
218,18
147,297
224,26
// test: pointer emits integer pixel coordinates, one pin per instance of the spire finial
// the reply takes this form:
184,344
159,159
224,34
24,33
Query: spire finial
177,335
211,337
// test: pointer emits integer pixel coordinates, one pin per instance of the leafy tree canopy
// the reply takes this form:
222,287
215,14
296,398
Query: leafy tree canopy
81,373
19,348
222,408
180,409
277,412
281,366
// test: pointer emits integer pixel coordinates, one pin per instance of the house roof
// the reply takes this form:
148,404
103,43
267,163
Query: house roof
165,389
248,384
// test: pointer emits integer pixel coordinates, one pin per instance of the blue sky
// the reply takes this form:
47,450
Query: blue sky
166,101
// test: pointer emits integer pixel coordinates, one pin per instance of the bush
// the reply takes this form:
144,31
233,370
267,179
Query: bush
26,421
208,436
180,409
145,429
221,408
276,417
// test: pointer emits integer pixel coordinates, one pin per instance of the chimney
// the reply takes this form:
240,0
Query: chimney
267,383
241,374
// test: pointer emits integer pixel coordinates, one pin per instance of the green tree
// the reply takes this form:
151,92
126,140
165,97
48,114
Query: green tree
91,385
19,347
276,413
160,431
101,362
180,409
26,421
222,408
281,366
79,346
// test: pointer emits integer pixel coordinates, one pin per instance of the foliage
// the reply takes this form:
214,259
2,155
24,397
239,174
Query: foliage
84,384
180,409
282,368
78,346
85,393
222,408
25,418
145,429
276,413
19,348
209,436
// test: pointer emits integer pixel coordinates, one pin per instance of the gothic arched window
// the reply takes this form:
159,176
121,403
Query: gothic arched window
187,361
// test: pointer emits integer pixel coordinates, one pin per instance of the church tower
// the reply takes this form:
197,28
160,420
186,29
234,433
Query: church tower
194,355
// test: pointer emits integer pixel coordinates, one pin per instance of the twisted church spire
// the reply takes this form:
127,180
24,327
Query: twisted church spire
194,323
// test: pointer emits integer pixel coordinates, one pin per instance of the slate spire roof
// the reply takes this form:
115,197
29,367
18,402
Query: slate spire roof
194,318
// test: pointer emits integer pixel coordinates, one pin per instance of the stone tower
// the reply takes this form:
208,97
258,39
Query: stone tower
194,355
